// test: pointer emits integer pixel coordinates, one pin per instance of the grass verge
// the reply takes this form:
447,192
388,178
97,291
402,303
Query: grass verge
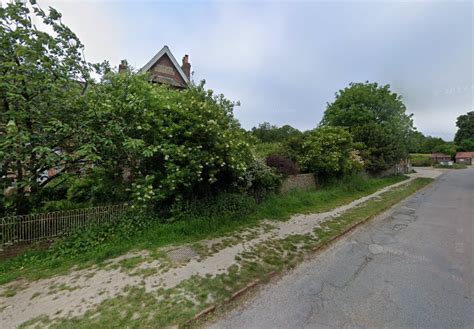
181,304
36,264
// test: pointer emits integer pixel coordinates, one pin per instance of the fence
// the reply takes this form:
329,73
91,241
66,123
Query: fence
36,227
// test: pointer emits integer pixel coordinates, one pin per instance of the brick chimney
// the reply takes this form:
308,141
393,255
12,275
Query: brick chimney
186,66
123,66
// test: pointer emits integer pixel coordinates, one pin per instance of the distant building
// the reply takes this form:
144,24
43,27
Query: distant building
465,158
440,158
164,69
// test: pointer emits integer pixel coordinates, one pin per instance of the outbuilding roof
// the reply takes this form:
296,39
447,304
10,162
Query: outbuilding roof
465,155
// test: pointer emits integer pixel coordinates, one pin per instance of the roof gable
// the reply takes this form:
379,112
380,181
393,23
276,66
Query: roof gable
165,51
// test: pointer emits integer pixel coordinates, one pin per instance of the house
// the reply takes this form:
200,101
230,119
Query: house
440,158
164,69
465,158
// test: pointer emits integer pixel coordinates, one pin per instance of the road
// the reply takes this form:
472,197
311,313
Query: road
411,267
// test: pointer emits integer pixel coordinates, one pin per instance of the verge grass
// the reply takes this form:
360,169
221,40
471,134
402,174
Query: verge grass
180,305
36,264
420,159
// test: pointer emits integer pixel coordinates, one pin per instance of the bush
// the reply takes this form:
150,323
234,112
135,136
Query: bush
94,236
182,140
282,164
327,152
263,150
293,146
260,180
221,207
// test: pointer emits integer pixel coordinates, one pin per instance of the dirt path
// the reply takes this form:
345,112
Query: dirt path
73,294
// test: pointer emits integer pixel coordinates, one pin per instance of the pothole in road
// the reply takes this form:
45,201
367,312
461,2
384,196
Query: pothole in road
399,227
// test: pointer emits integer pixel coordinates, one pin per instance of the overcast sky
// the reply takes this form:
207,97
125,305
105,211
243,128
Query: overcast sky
285,60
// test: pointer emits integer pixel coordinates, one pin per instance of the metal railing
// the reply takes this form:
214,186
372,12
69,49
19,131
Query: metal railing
43,226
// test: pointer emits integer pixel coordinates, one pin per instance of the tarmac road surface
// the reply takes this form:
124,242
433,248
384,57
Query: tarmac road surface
411,267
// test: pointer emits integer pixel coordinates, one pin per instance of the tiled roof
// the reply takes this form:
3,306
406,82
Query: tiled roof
465,155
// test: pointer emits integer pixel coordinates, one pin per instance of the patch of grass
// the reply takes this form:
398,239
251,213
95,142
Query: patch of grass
55,288
9,292
178,305
131,263
367,210
36,294
36,264
420,159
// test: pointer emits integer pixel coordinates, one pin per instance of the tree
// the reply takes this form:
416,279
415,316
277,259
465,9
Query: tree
447,148
268,133
327,152
376,117
43,79
172,143
466,145
465,124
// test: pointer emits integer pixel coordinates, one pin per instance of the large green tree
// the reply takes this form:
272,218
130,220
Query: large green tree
465,124
170,143
377,119
43,79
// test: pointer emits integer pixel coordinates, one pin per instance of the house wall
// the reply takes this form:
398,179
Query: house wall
467,161
165,68
439,160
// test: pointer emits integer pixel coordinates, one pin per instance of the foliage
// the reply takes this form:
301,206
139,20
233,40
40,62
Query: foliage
156,143
260,180
327,152
466,145
43,80
170,142
94,236
282,164
224,206
263,150
465,124
376,118
447,148
420,159
293,146
268,133
418,143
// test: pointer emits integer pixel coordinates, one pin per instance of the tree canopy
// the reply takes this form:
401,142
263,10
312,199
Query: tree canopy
268,133
43,80
377,119
465,124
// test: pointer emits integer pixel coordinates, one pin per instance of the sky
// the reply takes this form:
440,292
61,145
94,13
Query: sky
285,60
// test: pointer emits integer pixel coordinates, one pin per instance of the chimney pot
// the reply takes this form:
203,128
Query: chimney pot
122,66
186,66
